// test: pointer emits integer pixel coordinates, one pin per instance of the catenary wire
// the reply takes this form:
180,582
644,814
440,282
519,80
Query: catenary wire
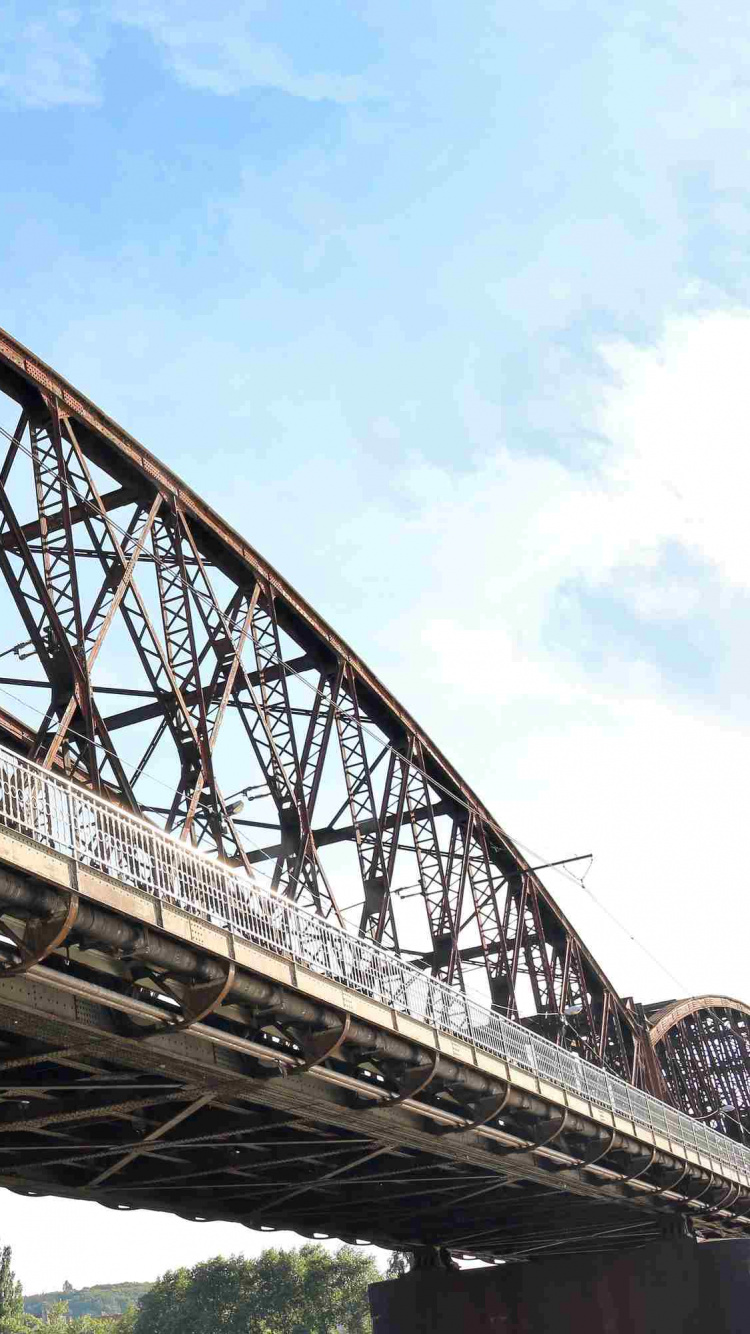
569,875
190,589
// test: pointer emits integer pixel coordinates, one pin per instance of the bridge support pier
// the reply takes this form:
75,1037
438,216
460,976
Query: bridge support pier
673,1286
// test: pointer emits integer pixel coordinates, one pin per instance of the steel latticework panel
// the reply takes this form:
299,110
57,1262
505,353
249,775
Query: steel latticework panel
153,1059
703,1047
164,663
151,998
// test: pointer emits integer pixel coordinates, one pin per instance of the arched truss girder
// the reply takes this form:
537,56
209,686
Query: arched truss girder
702,1045
164,662
664,1019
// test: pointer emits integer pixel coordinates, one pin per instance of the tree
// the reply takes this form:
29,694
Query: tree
103,1299
305,1291
335,1290
11,1292
57,1319
398,1264
164,1306
13,1319
68,1286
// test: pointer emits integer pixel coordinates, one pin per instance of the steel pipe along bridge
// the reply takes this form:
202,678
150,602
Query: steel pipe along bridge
191,1019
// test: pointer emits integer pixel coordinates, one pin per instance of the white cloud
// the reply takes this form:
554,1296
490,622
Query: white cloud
219,50
579,739
672,470
681,416
50,56
48,59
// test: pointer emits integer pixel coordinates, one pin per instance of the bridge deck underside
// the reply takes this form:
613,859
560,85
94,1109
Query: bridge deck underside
151,1059
139,619
182,1125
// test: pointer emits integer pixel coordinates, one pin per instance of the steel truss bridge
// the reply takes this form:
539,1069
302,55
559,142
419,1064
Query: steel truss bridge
191,760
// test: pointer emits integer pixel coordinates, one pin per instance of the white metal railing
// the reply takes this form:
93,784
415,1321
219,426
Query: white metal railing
62,816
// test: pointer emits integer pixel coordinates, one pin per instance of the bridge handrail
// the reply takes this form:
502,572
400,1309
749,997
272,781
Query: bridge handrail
62,816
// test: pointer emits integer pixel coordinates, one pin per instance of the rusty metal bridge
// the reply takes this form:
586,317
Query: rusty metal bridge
190,1019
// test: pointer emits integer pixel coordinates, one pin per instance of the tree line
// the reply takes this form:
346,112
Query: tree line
305,1291
97,1299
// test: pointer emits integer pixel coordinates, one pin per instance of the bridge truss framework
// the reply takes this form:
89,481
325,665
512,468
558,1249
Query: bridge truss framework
155,641
165,666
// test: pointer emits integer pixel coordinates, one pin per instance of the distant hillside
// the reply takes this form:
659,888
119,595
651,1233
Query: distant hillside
103,1299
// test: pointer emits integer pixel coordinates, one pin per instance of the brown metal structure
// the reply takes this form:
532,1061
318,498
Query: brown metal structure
165,663
141,1070
703,1048
149,1058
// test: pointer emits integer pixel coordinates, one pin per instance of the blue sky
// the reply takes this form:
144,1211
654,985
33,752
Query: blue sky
446,307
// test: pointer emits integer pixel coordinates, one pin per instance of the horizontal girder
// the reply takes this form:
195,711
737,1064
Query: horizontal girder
141,1071
258,734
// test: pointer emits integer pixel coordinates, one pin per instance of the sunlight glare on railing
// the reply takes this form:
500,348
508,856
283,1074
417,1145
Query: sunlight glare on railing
62,816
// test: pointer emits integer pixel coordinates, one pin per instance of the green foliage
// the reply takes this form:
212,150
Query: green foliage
161,1307
398,1264
58,1321
101,1299
55,1316
11,1292
308,1291
305,1291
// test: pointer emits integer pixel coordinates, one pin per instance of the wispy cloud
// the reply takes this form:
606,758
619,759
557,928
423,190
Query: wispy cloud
464,315
49,57
223,49
657,518
549,627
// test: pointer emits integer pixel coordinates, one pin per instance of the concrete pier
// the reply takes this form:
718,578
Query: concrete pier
669,1287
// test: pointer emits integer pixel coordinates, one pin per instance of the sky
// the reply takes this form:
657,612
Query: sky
447,308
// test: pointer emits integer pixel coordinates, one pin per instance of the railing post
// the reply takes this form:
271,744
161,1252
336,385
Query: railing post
73,841
630,1101
155,863
209,888
608,1082
469,1021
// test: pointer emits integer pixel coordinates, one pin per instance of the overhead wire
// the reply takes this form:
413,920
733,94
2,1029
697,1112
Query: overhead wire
580,881
290,671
